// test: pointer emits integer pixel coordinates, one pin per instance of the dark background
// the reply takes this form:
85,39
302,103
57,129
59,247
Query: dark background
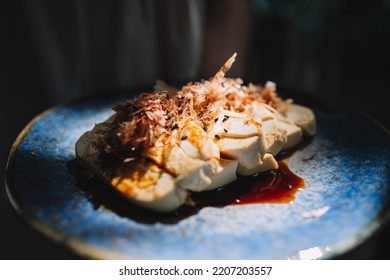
336,50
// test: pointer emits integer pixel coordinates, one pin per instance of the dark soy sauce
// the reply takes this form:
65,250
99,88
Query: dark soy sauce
278,186
275,186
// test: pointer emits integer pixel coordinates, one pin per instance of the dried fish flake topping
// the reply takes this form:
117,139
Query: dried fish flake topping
156,118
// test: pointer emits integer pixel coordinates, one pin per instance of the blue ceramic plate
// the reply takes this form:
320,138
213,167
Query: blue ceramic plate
345,167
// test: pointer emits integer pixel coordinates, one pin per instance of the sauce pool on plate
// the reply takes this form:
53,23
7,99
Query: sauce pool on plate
276,186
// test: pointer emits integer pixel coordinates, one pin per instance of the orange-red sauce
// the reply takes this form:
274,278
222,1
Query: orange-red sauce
277,186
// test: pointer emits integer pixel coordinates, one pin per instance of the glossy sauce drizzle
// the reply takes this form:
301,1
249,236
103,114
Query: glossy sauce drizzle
276,186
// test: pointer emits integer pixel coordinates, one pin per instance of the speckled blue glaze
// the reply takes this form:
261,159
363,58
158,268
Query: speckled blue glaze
347,181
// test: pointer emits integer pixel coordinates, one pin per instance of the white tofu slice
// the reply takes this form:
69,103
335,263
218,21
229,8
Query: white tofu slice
87,154
155,191
198,175
268,163
294,133
234,125
302,117
196,161
248,151
226,173
198,180
275,134
147,185
280,133
238,137
192,173
197,143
